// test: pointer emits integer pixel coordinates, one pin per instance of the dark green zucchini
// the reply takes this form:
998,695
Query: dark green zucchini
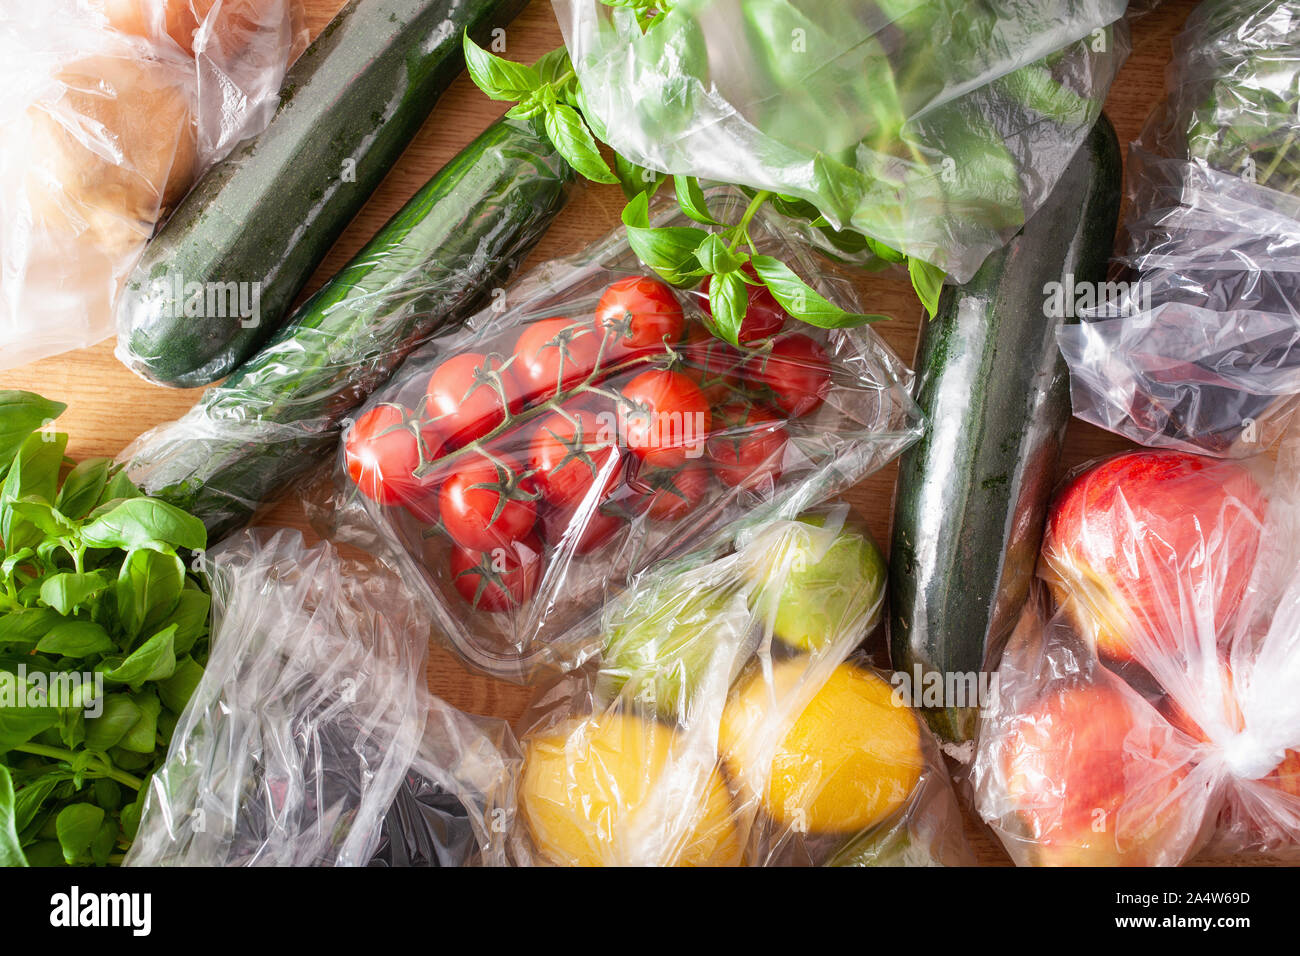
434,262
973,493
222,274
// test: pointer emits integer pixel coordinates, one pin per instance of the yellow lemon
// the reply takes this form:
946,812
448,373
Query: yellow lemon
848,760
611,790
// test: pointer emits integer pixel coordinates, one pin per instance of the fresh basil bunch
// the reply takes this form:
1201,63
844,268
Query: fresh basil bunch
103,629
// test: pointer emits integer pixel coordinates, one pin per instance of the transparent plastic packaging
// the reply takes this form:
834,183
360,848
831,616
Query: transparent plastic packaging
727,720
311,739
531,462
1146,711
112,109
1198,346
934,126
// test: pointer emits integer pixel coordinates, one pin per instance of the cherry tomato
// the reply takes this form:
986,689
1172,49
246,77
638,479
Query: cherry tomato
553,355
569,451
641,314
796,370
464,397
671,495
382,452
597,529
746,446
712,364
764,316
498,580
664,418
484,505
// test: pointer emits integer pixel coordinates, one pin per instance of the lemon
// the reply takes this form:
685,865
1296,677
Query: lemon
614,790
847,761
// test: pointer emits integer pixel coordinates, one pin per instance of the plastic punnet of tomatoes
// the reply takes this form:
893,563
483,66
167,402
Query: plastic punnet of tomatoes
1145,707
586,424
727,721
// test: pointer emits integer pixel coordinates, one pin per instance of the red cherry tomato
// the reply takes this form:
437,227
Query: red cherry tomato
484,505
553,355
569,451
464,397
664,418
764,316
498,580
712,364
746,446
596,530
797,372
671,495
640,314
382,452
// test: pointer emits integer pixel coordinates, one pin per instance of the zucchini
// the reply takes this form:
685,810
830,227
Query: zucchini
245,240
435,261
972,494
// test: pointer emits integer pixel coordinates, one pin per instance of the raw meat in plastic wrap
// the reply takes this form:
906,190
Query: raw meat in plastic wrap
311,739
934,126
533,461
112,108
1152,714
1198,347
728,722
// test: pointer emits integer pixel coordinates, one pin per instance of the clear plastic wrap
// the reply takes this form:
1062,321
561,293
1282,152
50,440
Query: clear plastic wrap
112,108
1148,710
311,739
531,462
934,126
1198,348
728,722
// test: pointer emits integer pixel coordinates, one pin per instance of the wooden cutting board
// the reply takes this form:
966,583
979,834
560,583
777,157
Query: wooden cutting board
108,406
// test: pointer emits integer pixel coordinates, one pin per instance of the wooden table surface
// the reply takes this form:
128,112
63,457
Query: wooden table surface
108,406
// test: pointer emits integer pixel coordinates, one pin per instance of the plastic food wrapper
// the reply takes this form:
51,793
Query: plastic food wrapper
1147,711
112,108
586,424
311,739
934,126
727,720
1198,347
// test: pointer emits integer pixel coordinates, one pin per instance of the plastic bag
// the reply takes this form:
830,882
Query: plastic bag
934,126
726,721
524,524
1197,349
1153,713
311,739
111,110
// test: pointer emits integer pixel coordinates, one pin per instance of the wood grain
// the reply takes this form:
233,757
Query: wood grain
108,406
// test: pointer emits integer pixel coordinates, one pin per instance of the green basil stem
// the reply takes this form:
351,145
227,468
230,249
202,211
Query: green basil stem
67,756
741,229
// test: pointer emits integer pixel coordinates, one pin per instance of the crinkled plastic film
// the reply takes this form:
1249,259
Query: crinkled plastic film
111,111
311,739
1147,711
584,542
1198,347
934,126
727,720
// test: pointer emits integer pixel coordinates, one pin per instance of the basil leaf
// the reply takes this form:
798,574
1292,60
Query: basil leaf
19,722
34,474
803,301
22,413
728,300
177,690
66,591
119,487
553,65
191,619
691,198
144,523
76,827
28,800
155,659
148,588
27,625
927,280
499,78
573,141
119,716
670,250
635,179
142,737
11,851
76,639
82,488
714,256
44,516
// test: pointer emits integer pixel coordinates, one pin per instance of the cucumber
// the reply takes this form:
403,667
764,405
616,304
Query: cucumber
435,261
245,240
973,493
